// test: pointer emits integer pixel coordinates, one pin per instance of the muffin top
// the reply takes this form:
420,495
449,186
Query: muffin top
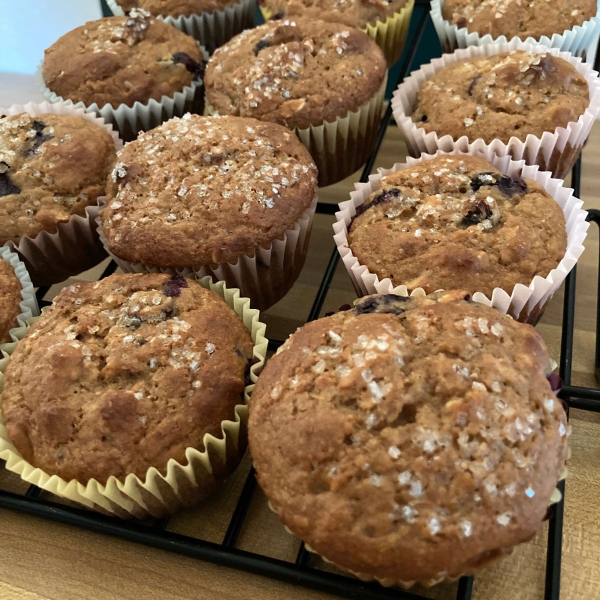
205,190
51,167
410,439
533,18
124,374
511,94
122,60
457,220
296,73
352,13
175,8
10,300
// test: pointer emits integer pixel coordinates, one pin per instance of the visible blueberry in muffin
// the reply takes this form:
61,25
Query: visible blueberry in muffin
261,45
7,187
196,68
39,137
387,303
509,186
278,16
174,285
473,84
384,196
480,211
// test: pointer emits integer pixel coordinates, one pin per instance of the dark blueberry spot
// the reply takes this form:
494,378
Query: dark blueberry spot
7,187
511,186
261,45
345,307
480,211
39,139
483,179
383,196
174,285
330,313
134,322
278,16
555,382
140,342
386,303
548,64
166,314
424,118
473,84
195,68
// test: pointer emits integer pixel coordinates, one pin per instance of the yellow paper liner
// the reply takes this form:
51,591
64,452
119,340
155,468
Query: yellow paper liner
390,35
74,247
184,484
265,276
341,147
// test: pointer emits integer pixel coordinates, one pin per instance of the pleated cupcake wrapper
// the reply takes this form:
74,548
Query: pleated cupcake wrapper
555,498
74,247
28,304
157,495
555,151
579,41
524,303
212,29
130,120
390,35
341,147
265,277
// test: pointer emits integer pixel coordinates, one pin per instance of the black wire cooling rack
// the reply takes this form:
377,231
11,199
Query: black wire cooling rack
300,572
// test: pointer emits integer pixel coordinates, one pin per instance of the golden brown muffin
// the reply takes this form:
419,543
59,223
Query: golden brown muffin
410,439
124,374
175,8
457,220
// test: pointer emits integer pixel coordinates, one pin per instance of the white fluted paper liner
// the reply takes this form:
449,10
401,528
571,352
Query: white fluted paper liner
74,247
212,29
28,304
342,146
555,151
389,582
264,277
130,120
524,303
579,41
183,484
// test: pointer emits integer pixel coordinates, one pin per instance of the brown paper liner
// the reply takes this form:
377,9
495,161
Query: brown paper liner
183,485
265,276
75,246
341,147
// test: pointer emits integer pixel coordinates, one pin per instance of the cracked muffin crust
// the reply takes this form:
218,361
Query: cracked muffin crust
410,439
175,8
51,168
206,190
457,220
522,18
352,13
122,60
124,374
295,72
511,94
10,300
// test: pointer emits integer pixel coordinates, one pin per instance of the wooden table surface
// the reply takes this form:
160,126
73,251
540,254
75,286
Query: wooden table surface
42,560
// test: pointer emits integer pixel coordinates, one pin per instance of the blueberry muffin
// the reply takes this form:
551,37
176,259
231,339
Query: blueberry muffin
51,168
206,190
175,8
511,94
294,72
125,374
122,60
352,13
10,300
410,440
510,18
458,221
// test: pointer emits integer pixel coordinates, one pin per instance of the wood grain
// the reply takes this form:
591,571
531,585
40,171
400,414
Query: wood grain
43,560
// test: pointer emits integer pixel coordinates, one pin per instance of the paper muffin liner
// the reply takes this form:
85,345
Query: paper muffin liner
579,41
28,304
130,120
212,29
341,147
183,485
524,303
390,35
265,276
74,247
555,151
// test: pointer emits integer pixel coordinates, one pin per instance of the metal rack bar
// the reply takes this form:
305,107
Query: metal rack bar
300,572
